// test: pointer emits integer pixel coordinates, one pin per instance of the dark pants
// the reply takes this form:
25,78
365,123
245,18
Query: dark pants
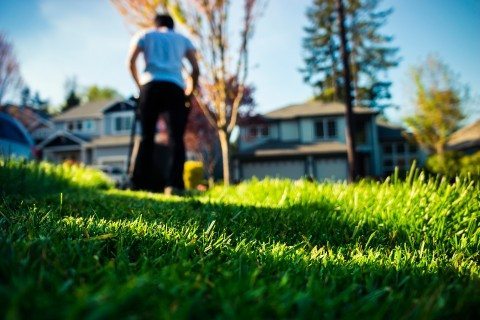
157,97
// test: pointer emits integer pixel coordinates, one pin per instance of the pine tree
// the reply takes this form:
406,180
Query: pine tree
72,99
370,53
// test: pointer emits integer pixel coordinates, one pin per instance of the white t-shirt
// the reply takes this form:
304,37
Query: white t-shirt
163,51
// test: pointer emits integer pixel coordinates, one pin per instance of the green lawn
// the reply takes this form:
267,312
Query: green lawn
72,247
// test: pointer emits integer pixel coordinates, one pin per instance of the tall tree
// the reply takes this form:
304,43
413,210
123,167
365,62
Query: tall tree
370,53
72,99
38,102
25,96
439,98
224,66
352,164
95,93
10,78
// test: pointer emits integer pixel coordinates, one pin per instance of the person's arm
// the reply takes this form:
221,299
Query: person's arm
132,63
191,56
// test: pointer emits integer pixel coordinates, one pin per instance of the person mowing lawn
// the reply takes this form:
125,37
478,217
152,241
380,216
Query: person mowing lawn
162,89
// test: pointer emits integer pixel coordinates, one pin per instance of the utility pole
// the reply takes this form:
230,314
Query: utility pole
352,164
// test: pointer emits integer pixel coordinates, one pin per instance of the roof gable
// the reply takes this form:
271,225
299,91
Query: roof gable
62,138
120,106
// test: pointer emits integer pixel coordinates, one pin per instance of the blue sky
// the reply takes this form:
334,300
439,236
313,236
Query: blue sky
56,39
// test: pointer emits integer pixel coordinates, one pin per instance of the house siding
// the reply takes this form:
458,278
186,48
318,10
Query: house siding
111,155
289,131
307,130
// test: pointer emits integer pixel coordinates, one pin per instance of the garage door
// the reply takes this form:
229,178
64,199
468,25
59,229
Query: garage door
331,169
293,169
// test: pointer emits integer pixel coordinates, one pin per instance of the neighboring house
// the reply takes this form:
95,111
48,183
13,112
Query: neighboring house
396,150
309,140
467,139
37,122
96,133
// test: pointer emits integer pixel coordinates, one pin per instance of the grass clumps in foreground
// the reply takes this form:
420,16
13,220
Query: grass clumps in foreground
263,249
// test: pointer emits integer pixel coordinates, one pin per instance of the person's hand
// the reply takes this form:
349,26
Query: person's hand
190,93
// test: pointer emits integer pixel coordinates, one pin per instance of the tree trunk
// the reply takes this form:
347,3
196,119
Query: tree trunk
224,144
352,163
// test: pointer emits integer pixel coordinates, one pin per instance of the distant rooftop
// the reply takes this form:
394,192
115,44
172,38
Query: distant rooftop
87,110
314,108
466,137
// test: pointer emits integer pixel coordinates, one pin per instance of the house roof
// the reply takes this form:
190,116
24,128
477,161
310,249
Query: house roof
314,108
279,148
87,110
62,135
466,137
111,141
30,117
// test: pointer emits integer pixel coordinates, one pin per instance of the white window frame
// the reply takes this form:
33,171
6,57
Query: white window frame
124,116
326,136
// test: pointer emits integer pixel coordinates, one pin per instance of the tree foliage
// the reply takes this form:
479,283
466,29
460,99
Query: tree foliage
10,78
72,98
95,93
438,105
370,53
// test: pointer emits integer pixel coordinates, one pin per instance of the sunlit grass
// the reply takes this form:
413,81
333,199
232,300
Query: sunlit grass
272,248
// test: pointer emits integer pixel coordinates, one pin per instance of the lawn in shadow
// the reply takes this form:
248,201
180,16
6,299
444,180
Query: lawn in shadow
173,263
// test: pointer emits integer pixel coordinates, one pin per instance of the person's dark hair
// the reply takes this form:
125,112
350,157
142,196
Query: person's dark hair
164,20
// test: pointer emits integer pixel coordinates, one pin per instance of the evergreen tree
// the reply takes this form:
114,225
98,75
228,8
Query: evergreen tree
38,102
370,53
25,96
72,99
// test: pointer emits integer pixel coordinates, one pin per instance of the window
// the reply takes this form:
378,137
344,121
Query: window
79,125
400,148
360,133
264,131
253,131
387,148
332,128
89,125
70,126
319,132
326,129
122,124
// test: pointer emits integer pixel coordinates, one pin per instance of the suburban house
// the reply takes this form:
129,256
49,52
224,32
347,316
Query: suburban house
96,133
308,140
37,122
466,139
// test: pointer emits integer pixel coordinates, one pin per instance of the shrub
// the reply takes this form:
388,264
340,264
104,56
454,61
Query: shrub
193,174
470,165
453,164
446,164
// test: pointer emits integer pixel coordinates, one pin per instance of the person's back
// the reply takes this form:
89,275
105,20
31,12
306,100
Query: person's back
163,51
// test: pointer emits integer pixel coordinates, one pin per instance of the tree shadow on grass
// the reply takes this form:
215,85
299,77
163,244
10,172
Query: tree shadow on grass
122,270
315,224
